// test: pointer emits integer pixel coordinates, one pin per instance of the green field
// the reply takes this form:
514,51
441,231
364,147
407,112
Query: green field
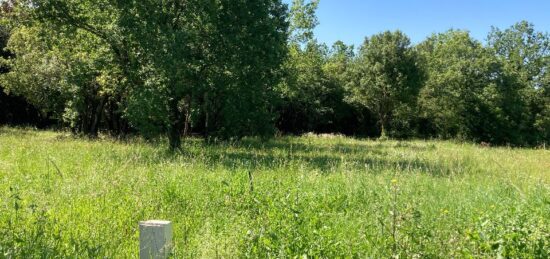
320,196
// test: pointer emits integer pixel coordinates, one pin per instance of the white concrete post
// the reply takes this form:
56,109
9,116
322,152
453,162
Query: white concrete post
155,239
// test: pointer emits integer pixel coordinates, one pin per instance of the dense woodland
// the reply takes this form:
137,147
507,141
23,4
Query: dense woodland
225,69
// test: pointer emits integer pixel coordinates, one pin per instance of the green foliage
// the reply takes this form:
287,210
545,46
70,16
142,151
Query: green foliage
303,20
304,86
68,74
15,109
525,54
313,90
36,73
247,66
301,106
158,61
524,50
229,69
461,80
336,70
315,196
385,76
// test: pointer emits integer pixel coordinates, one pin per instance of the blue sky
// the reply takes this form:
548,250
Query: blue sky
352,20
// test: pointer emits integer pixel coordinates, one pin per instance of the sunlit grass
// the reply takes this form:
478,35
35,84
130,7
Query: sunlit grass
319,196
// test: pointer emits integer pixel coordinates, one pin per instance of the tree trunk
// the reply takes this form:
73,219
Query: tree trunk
175,129
85,116
94,127
383,130
187,115
174,138
383,126
206,116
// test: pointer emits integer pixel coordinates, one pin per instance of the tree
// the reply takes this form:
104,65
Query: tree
385,76
303,21
15,110
344,117
218,58
462,96
68,74
304,89
542,122
525,50
34,74
311,94
247,58
525,55
223,59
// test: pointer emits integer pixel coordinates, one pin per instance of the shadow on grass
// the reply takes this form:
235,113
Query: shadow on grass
327,164
326,158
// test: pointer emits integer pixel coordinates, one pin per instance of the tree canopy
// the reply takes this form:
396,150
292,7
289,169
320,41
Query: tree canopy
226,69
385,76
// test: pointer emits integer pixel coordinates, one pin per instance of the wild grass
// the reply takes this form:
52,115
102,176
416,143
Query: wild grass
317,196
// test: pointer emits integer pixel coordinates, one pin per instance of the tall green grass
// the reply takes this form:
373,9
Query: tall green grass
316,196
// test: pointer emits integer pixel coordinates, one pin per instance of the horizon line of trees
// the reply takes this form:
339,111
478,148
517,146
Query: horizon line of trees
233,68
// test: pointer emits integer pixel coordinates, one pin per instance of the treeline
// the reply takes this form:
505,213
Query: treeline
232,68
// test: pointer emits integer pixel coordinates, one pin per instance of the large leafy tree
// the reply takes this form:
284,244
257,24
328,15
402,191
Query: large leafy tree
524,50
305,89
219,58
385,76
301,108
248,50
69,74
312,92
148,42
525,55
35,73
14,108
343,117
461,96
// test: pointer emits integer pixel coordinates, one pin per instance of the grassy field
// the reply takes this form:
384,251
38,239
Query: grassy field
313,195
